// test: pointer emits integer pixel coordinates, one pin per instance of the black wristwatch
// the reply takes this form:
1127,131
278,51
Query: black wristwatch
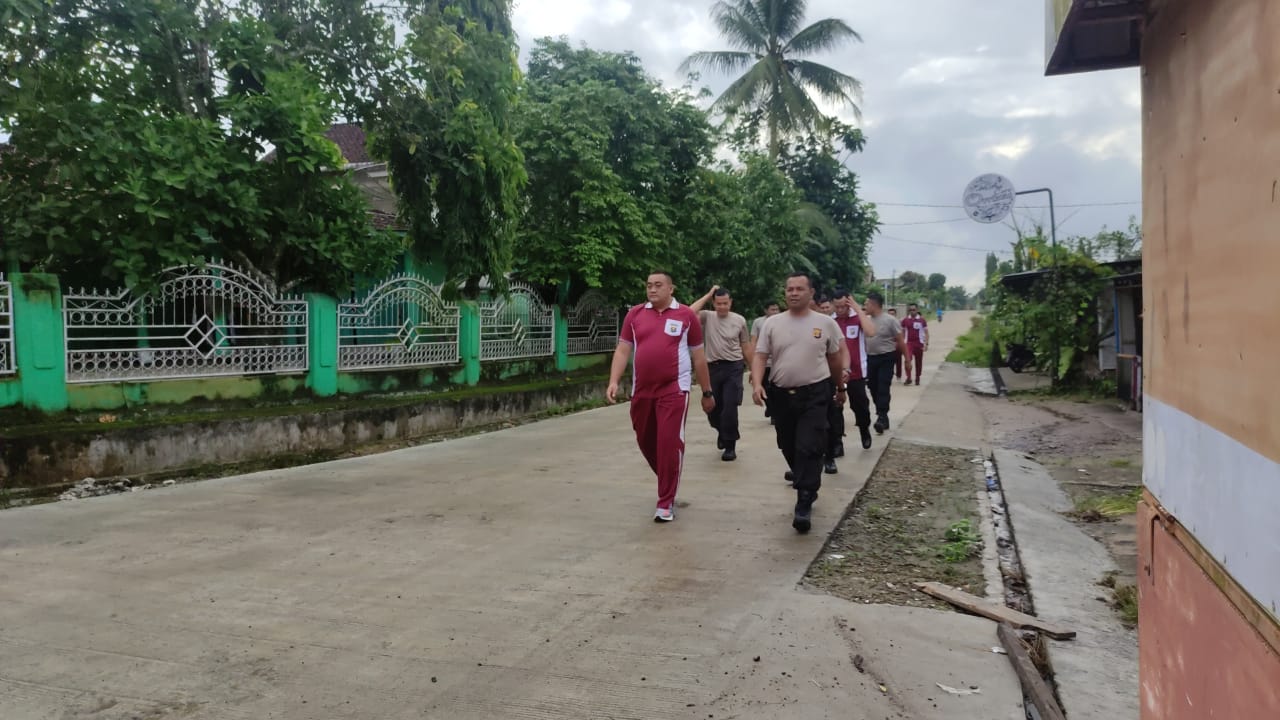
707,394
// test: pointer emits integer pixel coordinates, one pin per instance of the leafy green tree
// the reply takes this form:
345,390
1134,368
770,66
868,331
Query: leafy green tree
957,298
769,45
936,281
613,159
839,258
1118,244
911,282
137,131
744,229
448,135
993,266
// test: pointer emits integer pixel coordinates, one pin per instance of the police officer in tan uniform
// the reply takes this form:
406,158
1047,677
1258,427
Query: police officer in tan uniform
807,353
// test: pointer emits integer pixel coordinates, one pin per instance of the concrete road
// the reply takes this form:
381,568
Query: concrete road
516,574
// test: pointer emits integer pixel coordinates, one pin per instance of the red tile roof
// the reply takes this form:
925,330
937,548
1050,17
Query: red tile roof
350,139
385,221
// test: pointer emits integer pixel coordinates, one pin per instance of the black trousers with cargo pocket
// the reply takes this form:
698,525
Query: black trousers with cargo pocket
801,419
726,384
880,380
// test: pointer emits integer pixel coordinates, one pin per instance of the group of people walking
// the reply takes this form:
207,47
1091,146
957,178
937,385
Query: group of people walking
806,362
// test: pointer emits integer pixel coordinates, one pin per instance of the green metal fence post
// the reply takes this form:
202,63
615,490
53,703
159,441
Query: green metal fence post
38,341
469,340
562,339
322,344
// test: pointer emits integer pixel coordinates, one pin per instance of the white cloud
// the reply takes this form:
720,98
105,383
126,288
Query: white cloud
538,18
1009,150
1120,142
941,70
1027,112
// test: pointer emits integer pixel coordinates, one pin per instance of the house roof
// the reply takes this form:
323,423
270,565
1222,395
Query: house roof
385,221
351,142
1086,35
350,139
1129,272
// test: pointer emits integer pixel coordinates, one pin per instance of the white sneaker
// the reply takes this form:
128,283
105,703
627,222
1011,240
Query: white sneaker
664,515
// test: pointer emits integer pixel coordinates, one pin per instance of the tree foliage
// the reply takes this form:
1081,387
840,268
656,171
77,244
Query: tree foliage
1057,316
612,159
151,133
815,166
136,136
745,228
769,44
448,135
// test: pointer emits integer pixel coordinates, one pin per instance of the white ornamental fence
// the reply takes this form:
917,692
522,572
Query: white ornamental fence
518,325
593,325
8,362
198,321
402,323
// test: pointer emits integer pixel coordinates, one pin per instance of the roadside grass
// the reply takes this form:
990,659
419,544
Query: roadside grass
973,349
1108,506
1124,599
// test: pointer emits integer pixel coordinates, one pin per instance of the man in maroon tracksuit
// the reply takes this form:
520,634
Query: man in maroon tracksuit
915,330
854,326
665,339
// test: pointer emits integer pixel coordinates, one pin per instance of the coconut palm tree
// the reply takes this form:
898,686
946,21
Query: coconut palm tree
769,43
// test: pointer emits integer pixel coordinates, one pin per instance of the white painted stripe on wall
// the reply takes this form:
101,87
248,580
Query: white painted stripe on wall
1227,495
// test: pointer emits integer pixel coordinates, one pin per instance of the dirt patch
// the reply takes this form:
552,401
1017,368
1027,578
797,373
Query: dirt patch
916,520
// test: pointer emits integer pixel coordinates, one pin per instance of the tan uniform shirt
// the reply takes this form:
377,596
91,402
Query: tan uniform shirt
798,347
723,337
887,329
757,326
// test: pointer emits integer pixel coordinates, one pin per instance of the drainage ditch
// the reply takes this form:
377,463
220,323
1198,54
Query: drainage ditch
1017,594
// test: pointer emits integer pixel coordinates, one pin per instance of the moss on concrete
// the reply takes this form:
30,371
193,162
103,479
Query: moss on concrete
20,423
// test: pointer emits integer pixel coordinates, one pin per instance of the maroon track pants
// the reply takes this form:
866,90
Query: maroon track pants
917,356
659,425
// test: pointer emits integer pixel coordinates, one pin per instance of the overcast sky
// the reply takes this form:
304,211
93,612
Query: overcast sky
952,89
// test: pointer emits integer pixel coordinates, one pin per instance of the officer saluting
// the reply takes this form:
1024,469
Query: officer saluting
806,349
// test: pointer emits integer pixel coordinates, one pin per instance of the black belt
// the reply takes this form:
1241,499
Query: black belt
820,386
723,362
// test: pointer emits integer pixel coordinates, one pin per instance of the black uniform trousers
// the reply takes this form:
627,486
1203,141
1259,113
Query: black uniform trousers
857,393
726,384
880,379
835,425
800,419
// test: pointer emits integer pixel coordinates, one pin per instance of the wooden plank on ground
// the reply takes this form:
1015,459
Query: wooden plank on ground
999,613
1034,685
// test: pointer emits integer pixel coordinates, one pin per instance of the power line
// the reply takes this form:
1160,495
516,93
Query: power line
945,245
1028,207
928,222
